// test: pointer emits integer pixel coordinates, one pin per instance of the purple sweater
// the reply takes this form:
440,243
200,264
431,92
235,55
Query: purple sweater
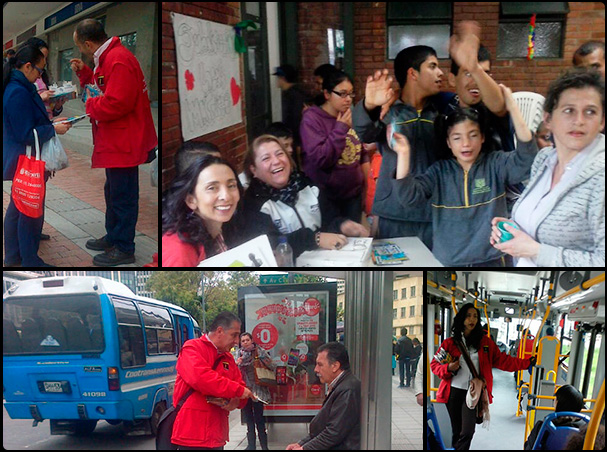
332,154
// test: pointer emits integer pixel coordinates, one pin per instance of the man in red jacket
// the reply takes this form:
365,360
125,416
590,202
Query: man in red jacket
123,134
207,366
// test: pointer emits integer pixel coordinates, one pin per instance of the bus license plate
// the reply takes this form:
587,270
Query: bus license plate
53,386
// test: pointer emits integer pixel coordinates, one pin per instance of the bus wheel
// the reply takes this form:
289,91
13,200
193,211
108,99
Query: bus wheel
156,415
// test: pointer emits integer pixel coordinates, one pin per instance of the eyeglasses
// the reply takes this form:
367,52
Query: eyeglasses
38,69
344,95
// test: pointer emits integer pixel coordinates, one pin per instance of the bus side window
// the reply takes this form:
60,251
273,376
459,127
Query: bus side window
130,334
158,330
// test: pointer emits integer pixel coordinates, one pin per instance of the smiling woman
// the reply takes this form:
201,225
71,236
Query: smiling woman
201,200
283,202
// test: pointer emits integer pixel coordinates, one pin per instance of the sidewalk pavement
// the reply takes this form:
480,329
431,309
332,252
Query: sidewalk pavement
407,423
75,203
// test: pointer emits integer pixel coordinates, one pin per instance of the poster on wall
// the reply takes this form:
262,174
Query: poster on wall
208,74
290,322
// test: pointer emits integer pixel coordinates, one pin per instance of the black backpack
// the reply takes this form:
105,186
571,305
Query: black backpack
165,425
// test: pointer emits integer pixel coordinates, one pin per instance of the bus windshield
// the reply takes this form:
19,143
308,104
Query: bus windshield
52,325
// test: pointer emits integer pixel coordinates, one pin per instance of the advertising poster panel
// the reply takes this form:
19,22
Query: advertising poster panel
290,322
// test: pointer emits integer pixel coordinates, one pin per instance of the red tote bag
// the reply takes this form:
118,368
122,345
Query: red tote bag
28,183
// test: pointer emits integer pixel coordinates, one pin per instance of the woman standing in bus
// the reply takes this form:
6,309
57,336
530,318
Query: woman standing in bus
253,411
467,336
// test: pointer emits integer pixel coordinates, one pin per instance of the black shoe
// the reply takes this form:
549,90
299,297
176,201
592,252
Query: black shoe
98,244
45,237
113,257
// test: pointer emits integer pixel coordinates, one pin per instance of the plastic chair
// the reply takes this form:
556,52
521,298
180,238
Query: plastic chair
556,436
531,106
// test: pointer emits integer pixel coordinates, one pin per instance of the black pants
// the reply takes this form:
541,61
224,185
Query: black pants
253,416
463,419
122,207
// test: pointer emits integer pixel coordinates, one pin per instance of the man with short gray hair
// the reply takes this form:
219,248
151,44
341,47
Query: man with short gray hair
337,424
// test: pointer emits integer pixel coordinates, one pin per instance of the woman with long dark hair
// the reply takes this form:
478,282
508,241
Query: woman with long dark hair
332,152
451,365
200,201
54,107
23,111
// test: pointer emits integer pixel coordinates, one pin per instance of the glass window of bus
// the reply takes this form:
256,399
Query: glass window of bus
52,325
158,329
130,334
568,328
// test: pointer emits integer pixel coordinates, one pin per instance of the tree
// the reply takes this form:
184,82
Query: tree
184,289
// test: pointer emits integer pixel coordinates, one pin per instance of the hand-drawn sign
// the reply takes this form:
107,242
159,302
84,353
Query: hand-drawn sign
208,76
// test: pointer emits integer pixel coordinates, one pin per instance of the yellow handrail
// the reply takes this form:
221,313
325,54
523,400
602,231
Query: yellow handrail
597,413
488,325
453,276
591,282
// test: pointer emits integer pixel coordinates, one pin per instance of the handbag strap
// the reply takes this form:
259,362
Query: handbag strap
259,359
37,144
464,350
191,390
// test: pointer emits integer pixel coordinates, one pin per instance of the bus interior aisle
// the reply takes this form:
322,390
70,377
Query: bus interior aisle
505,430
529,345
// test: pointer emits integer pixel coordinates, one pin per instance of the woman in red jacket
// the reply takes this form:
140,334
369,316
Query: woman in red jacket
455,374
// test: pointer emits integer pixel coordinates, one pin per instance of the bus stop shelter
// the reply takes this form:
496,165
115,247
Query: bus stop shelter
367,317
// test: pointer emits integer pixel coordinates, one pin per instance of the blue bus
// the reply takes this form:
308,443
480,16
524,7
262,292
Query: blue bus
78,349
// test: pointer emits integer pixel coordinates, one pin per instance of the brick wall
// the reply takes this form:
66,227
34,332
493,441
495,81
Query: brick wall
314,19
232,141
586,21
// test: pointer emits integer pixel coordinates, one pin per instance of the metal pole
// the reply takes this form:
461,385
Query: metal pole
368,338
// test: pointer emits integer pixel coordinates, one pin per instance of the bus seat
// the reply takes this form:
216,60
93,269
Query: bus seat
31,335
11,342
97,338
55,329
433,420
546,388
79,338
552,437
